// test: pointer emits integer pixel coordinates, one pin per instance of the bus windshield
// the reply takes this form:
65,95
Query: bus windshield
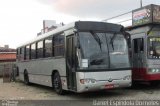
103,50
154,47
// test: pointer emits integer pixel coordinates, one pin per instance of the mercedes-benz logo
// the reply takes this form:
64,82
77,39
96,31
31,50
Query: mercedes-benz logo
110,80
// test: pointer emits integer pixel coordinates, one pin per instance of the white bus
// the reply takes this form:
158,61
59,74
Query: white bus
79,57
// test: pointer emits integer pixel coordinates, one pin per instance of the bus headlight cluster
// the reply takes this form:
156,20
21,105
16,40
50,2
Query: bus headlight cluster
128,77
154,70
87,81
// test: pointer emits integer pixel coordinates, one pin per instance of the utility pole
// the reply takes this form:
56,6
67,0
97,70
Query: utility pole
141,3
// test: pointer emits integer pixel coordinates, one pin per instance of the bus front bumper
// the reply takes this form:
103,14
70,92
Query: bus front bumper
102,85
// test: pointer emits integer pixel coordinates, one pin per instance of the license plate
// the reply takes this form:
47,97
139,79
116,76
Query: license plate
109,86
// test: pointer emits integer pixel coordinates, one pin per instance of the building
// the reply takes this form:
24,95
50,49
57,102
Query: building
49,25
7,56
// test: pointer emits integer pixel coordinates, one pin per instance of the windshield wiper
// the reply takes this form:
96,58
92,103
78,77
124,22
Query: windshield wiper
96,61
112,39
96,37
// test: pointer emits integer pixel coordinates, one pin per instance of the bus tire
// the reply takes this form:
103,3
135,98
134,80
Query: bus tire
57,84
26,78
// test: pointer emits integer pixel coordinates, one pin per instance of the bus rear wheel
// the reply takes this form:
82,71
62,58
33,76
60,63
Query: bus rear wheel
57,84
26,78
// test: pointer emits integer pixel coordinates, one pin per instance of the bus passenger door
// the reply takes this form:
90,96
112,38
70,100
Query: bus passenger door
138,58
70,62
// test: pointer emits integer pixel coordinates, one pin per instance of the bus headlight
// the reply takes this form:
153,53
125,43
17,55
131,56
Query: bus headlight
87,81
128,77
154,70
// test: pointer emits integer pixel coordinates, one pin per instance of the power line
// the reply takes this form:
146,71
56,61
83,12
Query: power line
124,20
117,16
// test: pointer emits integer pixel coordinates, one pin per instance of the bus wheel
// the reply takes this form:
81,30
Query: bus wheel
26,78
57,84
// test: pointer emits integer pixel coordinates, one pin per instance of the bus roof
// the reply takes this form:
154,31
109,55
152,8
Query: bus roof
81,26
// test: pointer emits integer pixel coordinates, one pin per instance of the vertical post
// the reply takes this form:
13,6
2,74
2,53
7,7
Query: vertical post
141,3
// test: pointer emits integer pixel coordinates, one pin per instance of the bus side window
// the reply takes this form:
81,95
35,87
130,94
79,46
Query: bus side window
58,45
33,51
40,49
23,53
48,47
27,52
20,54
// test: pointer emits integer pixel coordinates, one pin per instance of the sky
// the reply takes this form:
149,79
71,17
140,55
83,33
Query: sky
21,20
